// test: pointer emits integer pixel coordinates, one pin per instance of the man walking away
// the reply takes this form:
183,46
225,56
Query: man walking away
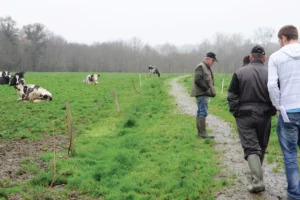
249,102
283,85
202,89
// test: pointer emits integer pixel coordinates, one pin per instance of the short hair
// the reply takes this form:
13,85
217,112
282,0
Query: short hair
289,31
258,56
246,60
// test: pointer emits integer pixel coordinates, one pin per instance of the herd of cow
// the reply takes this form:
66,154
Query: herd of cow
26,92
34,93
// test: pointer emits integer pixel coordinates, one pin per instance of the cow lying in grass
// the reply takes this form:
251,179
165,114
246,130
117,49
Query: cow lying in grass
18,78
153,70
91,79
32,93
4,77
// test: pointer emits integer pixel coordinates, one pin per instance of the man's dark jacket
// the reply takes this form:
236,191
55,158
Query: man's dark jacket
248,91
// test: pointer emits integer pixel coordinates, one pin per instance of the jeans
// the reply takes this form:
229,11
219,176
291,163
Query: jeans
202,103
288,135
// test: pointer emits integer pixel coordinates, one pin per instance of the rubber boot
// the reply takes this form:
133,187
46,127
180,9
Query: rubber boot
257,184
201,126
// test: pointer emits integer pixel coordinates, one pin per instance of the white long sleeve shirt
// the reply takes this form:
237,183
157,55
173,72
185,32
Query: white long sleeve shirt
284,77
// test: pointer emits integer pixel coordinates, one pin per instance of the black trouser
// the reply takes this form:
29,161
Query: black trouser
254,132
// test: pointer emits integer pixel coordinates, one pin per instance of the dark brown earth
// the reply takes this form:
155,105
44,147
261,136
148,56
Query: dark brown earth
13,152
235,168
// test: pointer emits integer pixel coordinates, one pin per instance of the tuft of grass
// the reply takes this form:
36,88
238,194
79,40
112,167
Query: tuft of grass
130,123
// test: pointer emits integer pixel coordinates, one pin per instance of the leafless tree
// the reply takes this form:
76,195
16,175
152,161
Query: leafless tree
34,37
34,48
10,55
263,35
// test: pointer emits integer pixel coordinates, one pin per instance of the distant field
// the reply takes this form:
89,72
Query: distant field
144,152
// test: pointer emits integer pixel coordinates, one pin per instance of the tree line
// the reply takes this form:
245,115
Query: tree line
35,48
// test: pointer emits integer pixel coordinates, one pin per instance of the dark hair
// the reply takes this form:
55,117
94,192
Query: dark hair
246,60
257,56
289,31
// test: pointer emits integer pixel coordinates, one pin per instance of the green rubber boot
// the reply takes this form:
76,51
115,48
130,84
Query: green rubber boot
201,126
257,184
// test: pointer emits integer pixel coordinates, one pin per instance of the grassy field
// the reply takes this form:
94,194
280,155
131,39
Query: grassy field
146,151
218,106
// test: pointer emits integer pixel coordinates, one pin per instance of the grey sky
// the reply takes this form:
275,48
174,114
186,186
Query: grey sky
152,21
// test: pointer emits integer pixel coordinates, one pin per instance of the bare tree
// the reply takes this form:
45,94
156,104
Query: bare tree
8,27
34,38
263,35
54,55
136,45
166,48
10,56
35,48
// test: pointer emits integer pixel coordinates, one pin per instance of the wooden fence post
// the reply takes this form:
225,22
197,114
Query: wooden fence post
54,167
70,129
140,75
116,101
54,159
222,86
134,86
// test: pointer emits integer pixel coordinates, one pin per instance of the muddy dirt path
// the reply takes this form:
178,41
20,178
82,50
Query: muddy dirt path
231,155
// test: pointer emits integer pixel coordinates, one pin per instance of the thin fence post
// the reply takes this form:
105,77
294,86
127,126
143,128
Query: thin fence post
222,86
116,101
54,159
54,167
134,85
140,75
70,129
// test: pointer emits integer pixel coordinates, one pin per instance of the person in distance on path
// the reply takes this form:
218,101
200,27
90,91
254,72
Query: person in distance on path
202,89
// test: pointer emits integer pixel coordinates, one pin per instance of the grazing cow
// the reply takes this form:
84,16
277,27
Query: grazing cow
4,77
32,93
91,79
18,78
153,70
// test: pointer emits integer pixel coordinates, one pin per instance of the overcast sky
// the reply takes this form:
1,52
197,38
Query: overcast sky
152,21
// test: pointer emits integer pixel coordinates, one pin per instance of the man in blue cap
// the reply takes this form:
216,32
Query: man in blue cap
202,89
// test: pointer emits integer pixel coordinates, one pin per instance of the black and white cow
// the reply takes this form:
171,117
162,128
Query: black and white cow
153,70
91,79
4,77
32,93
18,78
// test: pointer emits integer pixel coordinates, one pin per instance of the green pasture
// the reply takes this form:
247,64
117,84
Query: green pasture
146,151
